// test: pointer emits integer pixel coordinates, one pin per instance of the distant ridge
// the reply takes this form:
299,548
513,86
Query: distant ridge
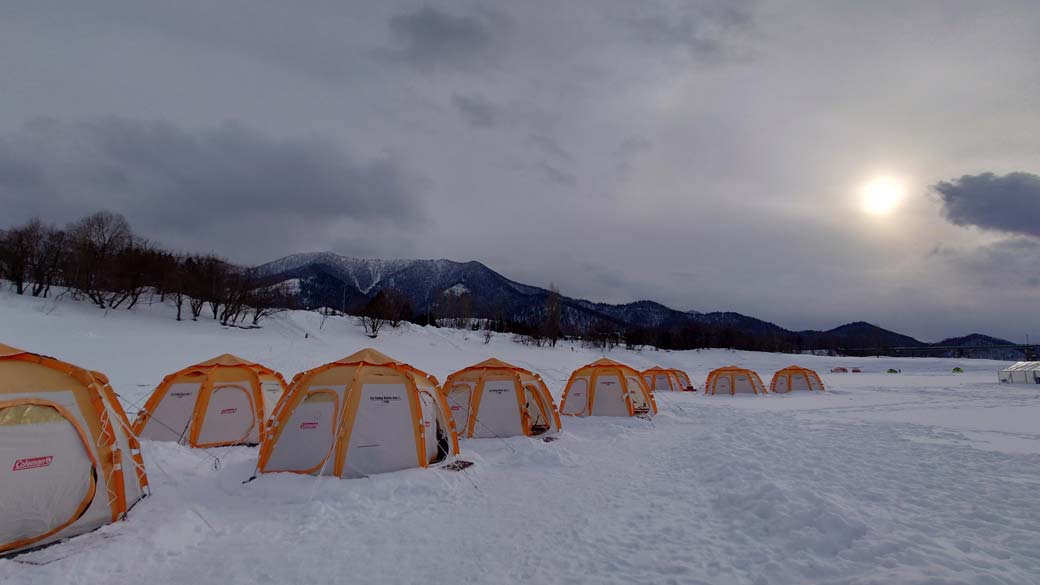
345,282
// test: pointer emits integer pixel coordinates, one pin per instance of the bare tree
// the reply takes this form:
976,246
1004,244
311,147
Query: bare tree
375,315
267,300
395,306
45,265
17,247
193,285
372,324
97,242
551,328
455,308
325,313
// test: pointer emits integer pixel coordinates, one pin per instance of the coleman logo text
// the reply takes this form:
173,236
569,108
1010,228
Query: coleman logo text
32,463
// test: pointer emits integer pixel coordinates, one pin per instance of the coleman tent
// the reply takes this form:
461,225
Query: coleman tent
222,401
795,378
665,379
68,461
496,399
733,380
366,413
607,388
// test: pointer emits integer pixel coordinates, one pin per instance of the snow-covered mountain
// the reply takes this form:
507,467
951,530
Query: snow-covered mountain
344,282
328,279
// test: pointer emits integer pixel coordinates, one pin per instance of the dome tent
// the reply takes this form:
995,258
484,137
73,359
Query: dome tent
366,413
497,399
733,380
68,461
794,378
607,388
215,403
667,379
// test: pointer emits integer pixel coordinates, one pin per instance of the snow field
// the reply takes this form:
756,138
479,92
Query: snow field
922,477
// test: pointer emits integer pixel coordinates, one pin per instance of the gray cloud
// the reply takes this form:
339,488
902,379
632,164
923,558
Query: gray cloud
550,147
765,119
1011,262
706,30
558,175
477,111
1008,203
432,39
190,185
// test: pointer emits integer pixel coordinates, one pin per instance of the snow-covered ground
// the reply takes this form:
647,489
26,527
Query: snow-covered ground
920,477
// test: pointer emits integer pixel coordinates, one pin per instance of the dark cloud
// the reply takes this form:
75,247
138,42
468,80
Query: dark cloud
215,184
1007,203
476,111
753,176
1007,263
432,39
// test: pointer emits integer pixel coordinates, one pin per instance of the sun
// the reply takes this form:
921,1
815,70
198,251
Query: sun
882,195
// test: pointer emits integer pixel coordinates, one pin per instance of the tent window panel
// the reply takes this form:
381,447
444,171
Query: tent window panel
799,382
46,472
459,404
229,417
610,397
577,397
271,391
723,384
743,385
635,393
307,438
383,435
499,414
169,421
428,419
536,414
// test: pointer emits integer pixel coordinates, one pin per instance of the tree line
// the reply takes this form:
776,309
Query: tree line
99,258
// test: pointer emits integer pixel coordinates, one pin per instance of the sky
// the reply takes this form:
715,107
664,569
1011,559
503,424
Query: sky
808,163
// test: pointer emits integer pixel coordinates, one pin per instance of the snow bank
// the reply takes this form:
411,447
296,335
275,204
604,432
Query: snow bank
922,477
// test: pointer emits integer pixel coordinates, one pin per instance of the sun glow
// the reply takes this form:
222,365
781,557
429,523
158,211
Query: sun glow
882,195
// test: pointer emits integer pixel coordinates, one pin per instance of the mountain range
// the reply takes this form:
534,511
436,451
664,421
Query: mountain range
348,283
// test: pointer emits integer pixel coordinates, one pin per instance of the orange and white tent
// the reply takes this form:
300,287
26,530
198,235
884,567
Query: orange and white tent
667,379
607,388
219,402
496,399
733,380
366,413
68,460
795,378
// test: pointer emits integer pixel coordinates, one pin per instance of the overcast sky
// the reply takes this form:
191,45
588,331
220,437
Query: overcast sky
710,155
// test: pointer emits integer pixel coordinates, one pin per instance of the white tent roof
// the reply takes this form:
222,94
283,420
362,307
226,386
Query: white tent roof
1023,367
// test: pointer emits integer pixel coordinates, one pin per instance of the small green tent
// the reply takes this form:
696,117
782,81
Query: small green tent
958,370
